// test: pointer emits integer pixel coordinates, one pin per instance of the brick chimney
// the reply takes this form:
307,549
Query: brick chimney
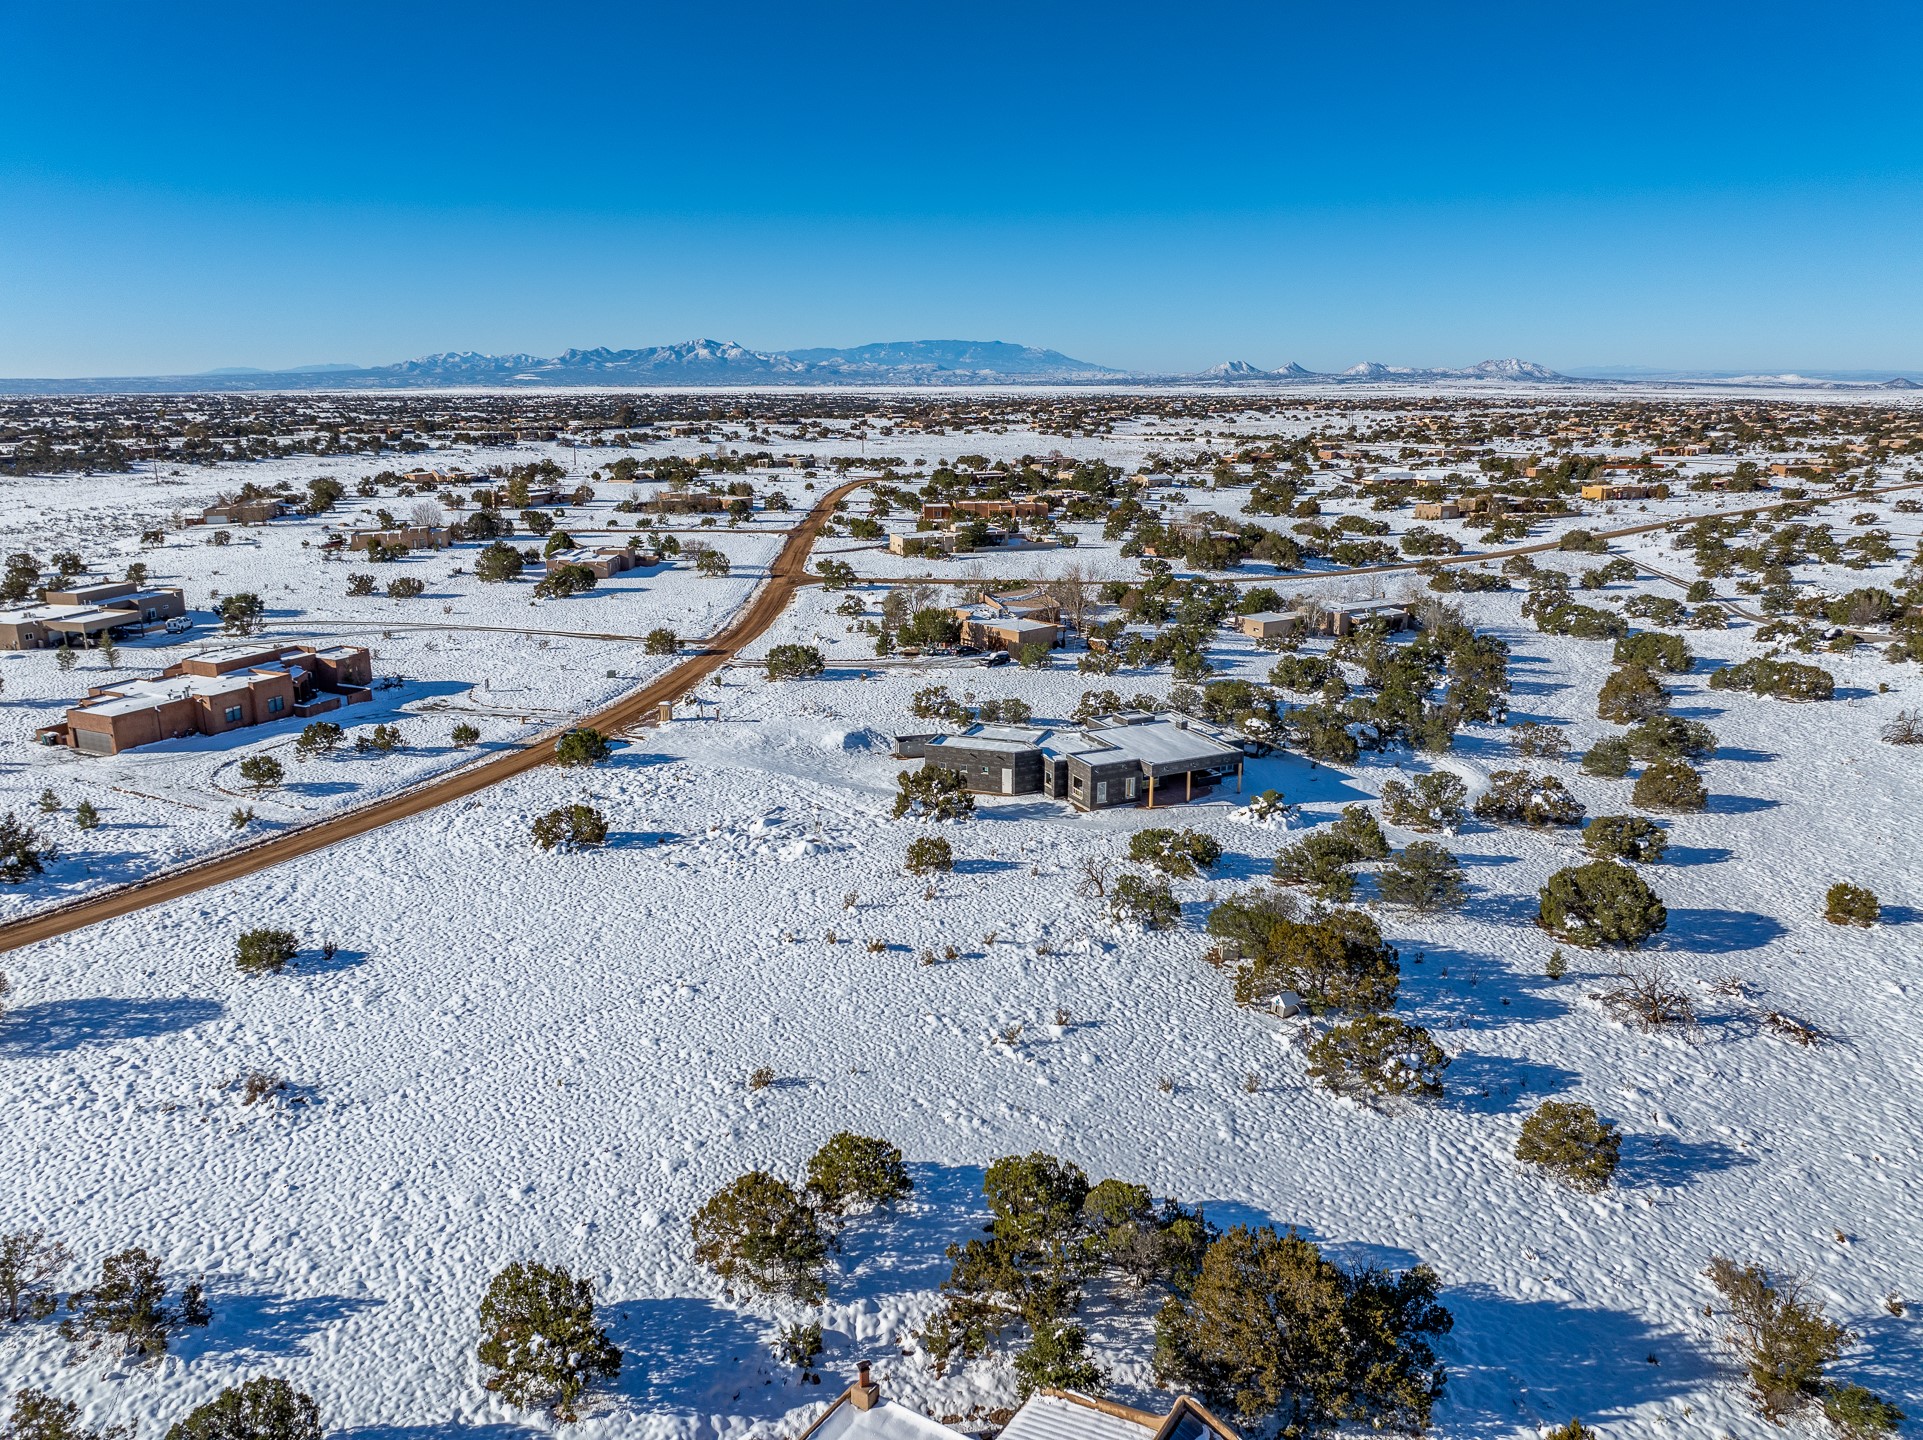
865,1393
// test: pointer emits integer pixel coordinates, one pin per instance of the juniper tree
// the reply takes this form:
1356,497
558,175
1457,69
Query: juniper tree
760,1237
929,854
1148,903
583,745
1571,1142
1377,1055
28,1260
129,1308
261,1409
1670,785
1847,904
265,951
1516,797
263,772
794,662
854,1171
1780,1333
1601,903
539,1339
1335,961
1625,837
1182,853
1274,1332
933,793
1427,802
1425,877
40,1416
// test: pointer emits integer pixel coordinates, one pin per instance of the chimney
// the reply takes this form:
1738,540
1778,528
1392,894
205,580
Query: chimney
865,1394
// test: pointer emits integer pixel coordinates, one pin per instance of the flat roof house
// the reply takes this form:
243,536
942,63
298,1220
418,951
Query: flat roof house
243,512
227,688
603,560
1127,759
85,612
1269,624
992,631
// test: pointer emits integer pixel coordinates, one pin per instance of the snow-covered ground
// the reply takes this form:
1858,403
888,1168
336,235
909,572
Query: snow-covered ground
518,1055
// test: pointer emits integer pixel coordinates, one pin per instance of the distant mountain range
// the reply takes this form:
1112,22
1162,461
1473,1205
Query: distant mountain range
891,363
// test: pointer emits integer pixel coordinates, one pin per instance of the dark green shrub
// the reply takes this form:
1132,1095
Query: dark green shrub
1570,1142
1515,797
1601,903
1146,1243
1670,785
1608,759
539,1339
262,952
1574,1430
1320,862
928,854
128,1307
1583,542
1859,1414
40,1416
498,562
661,641
1182,853
583,745
1782,1337
1358,830
794,662
561,582
1337,961
1148,903
409,587
1625,837
572,827
1376,1055
852,1172
760,1237
261,1409
318,737
1539,741
85,817
1654,650
1273,1332
1629,695
933,793
463,735
1665,737
1429,802
1848,904
1056,1358
263,772
1778,679
1031,1267
1424,877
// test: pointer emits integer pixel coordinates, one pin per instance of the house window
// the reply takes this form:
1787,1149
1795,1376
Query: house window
1076,784
1128,788
1101,792
275,704
233,714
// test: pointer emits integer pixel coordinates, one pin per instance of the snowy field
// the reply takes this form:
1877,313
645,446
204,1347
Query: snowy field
520,1055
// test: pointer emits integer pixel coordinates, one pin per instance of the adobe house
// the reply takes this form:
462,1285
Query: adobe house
227,688
405,537
860,1413
1438,510
86,612
1270,624
603,560
989,630
243,512
1617,492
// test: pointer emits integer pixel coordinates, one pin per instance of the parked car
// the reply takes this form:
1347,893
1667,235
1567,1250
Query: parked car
995,657
180,624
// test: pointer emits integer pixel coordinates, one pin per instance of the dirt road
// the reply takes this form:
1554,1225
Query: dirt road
785,576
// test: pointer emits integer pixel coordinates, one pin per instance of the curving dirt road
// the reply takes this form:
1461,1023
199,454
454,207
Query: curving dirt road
788,573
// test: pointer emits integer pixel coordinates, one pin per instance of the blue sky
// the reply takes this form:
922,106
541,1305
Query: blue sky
194,185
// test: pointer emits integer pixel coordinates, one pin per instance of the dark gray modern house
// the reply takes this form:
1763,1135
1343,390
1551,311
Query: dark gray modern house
1127,759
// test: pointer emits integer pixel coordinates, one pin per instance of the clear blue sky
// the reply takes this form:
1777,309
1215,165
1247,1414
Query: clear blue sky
191,185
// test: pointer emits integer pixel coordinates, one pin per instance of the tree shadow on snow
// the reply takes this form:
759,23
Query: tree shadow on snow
316,962
1596,1364
985,867
444,1430
694,1355
1500,1084
1666,1161
1739,804
1721,932
1739,755
266,1325
56,1026
639,839
1696,855
1901,915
